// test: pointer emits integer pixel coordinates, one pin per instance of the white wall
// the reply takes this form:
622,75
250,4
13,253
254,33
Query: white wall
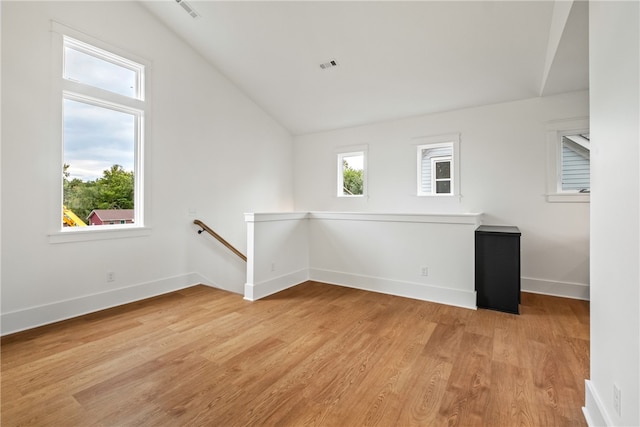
615,212
503,167
372,251
210,150
278,252
386,253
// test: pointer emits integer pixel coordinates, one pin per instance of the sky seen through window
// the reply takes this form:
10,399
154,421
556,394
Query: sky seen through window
96,137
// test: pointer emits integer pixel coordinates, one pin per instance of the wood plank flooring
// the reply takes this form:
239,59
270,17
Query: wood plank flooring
313,355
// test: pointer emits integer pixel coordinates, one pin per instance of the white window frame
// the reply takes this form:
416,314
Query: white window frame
138,106
431,142
351,151
109,56
556,130
435,180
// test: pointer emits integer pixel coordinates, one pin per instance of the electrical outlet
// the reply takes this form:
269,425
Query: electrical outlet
111,276
617,400
273,266
424,271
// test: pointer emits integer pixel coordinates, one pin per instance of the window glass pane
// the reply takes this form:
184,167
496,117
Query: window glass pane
443,170
99,160
428,160
576,164
353,175
97,72
443,187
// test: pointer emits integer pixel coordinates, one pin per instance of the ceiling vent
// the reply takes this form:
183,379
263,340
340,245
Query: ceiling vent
329,64
187,7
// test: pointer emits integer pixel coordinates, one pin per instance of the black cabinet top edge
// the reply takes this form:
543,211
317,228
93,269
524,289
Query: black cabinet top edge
502,229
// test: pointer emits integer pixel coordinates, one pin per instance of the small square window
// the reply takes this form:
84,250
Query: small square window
437,169
568,161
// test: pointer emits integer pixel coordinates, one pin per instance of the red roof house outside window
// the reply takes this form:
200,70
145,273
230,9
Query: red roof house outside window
111,216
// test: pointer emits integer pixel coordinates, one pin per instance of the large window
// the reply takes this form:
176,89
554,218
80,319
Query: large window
103,113
352,173
438,166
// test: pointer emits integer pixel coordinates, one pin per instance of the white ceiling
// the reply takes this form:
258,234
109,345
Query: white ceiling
396,59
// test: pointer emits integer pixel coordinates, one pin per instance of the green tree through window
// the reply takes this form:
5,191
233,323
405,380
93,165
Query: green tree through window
103,116
114,190
353,179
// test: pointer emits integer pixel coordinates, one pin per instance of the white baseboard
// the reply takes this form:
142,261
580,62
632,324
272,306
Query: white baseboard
255,291
33,317
553,288
455,297
593,410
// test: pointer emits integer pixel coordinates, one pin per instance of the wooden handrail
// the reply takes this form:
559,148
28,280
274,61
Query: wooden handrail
206,228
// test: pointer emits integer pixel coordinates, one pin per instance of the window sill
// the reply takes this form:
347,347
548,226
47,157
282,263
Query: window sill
98,233
440,196
569,198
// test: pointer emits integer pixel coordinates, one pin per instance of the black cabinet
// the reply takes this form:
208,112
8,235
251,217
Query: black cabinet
498,268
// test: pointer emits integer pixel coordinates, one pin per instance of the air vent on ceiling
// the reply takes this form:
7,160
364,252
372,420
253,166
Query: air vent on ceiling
329,64
187,7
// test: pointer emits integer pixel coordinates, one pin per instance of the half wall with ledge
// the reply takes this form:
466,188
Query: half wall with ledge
423,256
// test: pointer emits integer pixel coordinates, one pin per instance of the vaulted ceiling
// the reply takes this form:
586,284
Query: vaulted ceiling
394,59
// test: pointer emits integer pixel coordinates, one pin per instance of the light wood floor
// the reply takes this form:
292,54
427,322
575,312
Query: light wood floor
315,354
